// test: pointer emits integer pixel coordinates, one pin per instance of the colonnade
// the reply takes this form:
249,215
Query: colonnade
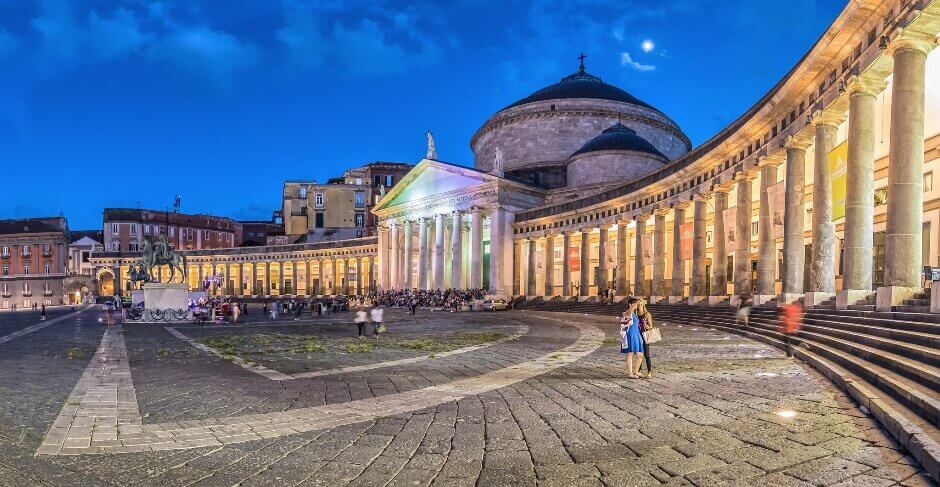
329,275
450,250
903,247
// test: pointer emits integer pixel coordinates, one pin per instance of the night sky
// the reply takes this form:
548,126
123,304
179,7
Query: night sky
115,104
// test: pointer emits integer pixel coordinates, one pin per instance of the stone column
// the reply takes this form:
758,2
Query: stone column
409,256
699,222
742,223
267,277
517,267
585,283
600,277
394,260
903,242
336,284
639,269
530,271
438,265
719,246
678,266
623,258
765,287
476,248
422,253
794,245
382,253
659,256
565,268
822,276
456,252
252,290
550,265
500,241
358,276
858,240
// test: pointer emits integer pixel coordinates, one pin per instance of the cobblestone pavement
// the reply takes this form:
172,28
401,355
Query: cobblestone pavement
549,407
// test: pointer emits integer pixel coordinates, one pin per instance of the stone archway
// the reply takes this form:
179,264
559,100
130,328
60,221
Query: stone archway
106,283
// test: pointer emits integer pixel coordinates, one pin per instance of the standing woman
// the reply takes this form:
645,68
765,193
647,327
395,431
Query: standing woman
646,324
631,340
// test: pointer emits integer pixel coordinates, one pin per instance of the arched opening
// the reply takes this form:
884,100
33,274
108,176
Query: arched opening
106,284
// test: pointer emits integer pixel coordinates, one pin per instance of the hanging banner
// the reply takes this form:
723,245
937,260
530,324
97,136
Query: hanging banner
611,254
539,260
686,236
647,249
837,167
574,259
730,216
776,203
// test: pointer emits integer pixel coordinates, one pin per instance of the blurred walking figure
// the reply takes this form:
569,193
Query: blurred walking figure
791,317
43,313
361,319
376,316
743,316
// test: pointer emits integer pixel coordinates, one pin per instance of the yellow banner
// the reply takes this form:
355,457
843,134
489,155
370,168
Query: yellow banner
837,158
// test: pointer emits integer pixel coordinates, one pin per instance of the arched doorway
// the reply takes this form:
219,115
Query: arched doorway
106,283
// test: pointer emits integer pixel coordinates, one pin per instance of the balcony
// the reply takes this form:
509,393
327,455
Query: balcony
47,253
6,294
27,293
47,292
5,256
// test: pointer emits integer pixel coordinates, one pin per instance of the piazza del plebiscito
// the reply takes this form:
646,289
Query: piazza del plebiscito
823,191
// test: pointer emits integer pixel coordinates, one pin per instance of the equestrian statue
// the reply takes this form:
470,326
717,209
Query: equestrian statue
159,253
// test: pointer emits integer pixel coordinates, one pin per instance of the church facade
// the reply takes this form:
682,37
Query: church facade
823,191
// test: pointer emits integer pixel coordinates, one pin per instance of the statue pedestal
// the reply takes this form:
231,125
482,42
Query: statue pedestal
163,300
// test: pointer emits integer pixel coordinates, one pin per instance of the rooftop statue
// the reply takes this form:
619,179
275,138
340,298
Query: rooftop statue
432,151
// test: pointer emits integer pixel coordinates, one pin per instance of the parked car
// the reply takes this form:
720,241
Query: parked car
495,305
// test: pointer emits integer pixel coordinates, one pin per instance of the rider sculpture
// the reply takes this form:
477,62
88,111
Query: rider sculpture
159,253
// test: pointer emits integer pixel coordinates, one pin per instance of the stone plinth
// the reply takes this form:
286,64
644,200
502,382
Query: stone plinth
788,298
848,297
815,298
761,299
935,297
716,300
675,299
890,296
656,299
693,300
163,296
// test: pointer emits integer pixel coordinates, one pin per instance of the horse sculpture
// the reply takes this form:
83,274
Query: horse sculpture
159,253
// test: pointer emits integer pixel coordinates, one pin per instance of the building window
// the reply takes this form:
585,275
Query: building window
26,269
47,269
133,247
360,200
5,251
25,288
318,221
46,249
358,181
303,192
116,247
928,181
146,229
45,287
26,251
376,180
360,220
171,231
133,229
389,180
114,228
319,200
6,270
754,228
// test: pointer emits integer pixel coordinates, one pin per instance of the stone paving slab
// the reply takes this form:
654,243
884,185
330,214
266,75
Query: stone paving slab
553,407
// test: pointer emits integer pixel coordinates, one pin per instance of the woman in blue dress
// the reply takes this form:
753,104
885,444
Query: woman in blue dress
631,342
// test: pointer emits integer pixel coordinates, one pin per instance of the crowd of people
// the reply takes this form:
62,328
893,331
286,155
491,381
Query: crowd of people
453,299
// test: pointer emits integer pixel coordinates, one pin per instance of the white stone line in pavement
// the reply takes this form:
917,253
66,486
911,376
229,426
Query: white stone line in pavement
41,325
258,369
103,403
238,429
520,331
275,375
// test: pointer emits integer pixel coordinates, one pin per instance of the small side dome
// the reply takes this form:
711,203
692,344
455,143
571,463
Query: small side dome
618,154
619,137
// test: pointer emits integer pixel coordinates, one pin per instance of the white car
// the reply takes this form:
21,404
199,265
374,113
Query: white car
495,305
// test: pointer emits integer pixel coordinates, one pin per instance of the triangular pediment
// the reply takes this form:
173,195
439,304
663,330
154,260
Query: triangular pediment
430,178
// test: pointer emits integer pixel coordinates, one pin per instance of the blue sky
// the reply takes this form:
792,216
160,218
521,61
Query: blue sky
114,103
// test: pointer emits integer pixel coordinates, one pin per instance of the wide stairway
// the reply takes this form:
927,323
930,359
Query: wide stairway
888,362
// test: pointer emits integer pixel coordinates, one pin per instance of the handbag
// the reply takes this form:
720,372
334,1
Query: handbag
380,329
652,335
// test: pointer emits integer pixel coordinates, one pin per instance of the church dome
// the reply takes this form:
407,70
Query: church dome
582,85
619,138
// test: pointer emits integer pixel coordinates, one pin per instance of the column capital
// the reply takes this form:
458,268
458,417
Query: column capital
704,196
800,141
475,210
642,217
912,40
681,205
828,117
661,211
865,84
771,160
744,176
724,187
